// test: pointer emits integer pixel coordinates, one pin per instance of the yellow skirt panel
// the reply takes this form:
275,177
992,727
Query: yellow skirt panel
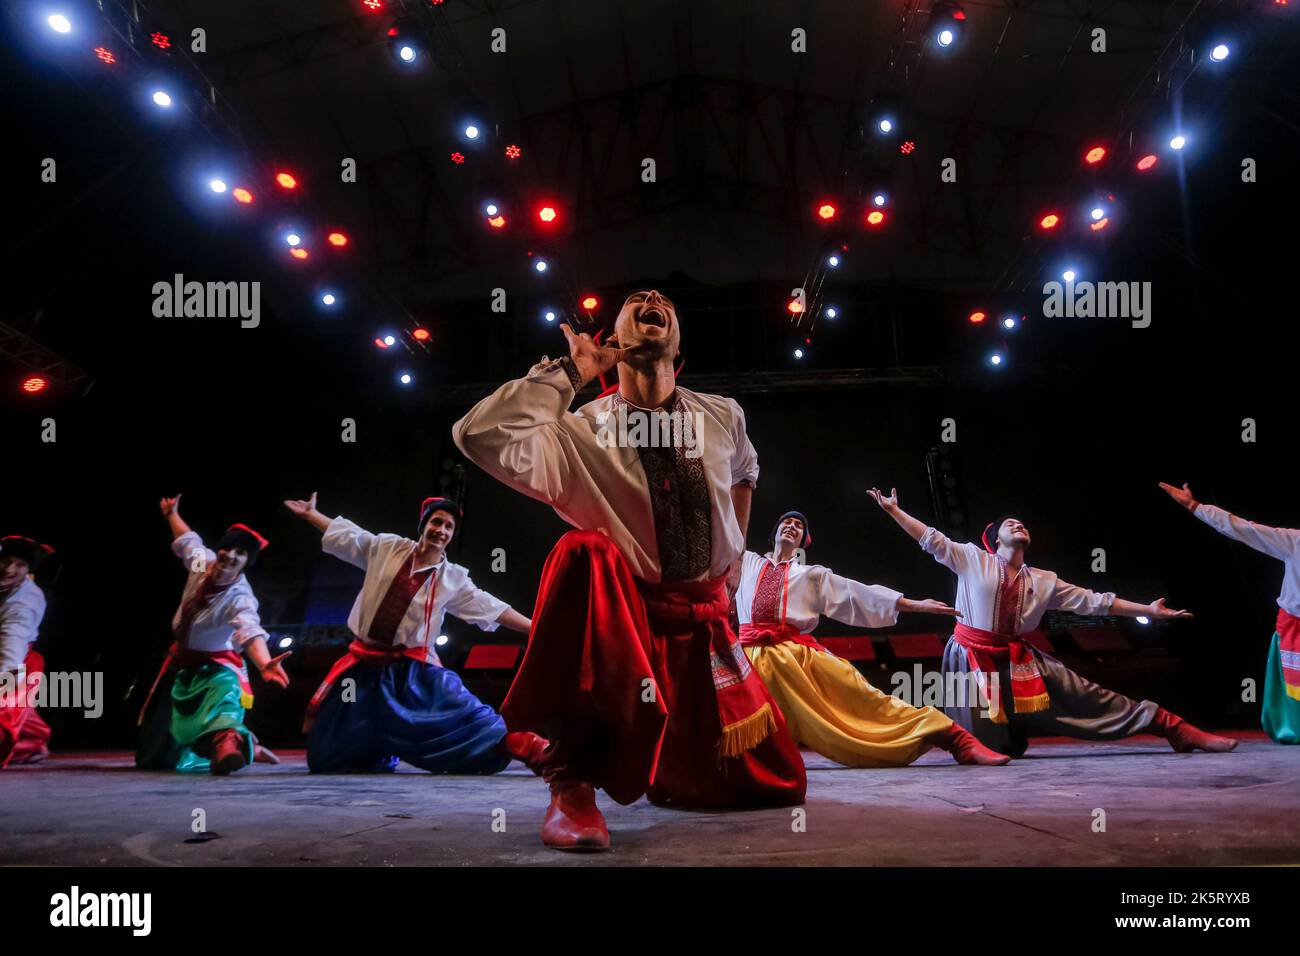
833,709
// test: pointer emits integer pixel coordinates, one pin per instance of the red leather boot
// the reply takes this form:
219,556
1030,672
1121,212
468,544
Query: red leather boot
573,821
965,749
227,752
527,748
1185,738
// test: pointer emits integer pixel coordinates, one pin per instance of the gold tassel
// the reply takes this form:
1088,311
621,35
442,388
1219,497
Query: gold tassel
1292,692
748,733
1032,705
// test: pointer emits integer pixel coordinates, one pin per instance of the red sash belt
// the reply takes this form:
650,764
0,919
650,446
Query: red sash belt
985,650
182,657
769,633
1288,645
360,652
743,708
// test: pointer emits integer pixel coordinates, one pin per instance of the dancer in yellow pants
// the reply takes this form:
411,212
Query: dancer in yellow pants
828,705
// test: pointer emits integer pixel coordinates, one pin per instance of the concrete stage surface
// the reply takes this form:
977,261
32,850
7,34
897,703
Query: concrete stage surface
1160,808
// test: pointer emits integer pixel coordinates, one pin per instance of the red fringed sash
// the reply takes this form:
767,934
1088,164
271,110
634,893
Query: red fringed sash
1288,645
985,650
743,707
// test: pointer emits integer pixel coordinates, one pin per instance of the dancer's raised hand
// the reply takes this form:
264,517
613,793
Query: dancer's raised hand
1181,495
1159,610
888,502
590,358
302,508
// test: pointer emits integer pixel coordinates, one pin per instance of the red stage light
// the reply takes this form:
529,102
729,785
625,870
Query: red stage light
1147,161
33,384
420,335
105,54
286,180
161,40
381,343
497,222
373,6
241,194
298,252
337,239
590,302
458,158
1099,225
907,147
875,218
513,152
547,214
977,317
1050,221
827,211
1094,155
794,307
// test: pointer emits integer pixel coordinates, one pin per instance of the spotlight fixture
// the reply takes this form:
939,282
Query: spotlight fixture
977,317
286,180
1094,155
217,186
163,99
541,265
875,218
420,334
1178,142
337,239
826,211
242,195
833,261
328,298
1147,162
405,378
590,302
59,23
832,312
35,383
947,23
1050,221
995,359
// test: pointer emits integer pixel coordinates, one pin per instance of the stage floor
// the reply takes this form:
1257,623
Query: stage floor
1160,808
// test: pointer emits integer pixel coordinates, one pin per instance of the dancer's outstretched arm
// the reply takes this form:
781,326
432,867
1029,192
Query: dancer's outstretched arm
514,621
1280,543
306,510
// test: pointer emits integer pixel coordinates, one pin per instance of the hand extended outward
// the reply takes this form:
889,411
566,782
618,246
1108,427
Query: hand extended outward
1157,609
273,673
169,506
927,606
302,508
1181,495
888,502
591,359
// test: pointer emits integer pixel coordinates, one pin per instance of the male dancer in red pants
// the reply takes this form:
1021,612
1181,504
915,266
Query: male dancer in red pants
632,669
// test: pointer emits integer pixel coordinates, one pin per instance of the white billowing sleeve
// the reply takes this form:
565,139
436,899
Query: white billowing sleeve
189,546
952,555
348,541
854,603
20,619
1071,597
246,621
744,462
475,606
517,435
1280,543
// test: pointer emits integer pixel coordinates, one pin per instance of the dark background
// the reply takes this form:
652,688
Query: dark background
1071,436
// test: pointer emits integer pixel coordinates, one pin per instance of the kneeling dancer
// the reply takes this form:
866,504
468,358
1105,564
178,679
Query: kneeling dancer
193,717
404,705
1000,599
827,703
632,669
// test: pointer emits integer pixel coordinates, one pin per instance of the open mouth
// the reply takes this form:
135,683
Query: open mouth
652,316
